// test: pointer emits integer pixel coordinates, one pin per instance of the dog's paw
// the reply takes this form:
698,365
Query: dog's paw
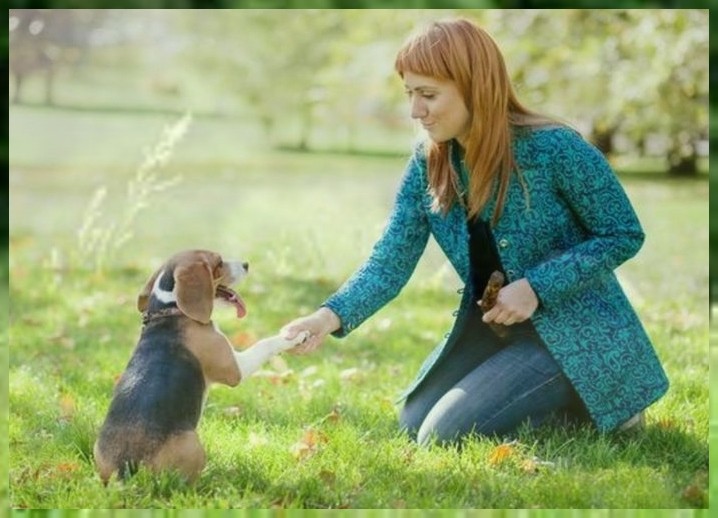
300,338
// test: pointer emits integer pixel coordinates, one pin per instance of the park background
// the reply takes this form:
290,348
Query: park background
281,136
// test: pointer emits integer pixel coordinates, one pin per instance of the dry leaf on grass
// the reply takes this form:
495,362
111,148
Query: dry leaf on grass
274,377
332,417
243,340
349,374
309,444
502,453
232,411
256,439
534,464
67,406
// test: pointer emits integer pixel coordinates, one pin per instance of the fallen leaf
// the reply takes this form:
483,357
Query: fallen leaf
349,374
534,464
383,324
502,453
318,383
243,340
309,371
67,467
308,444
232,411
301,451
666,423
332,416
67,406
327,476
274,377
279,364
256,439
529,466
695,495
697,492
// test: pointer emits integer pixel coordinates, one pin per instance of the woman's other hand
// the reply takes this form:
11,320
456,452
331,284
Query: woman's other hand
516,303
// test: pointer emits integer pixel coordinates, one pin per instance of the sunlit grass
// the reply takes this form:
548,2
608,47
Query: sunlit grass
318,430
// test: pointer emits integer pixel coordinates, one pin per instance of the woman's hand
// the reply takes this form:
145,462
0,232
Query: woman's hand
516,302
319,324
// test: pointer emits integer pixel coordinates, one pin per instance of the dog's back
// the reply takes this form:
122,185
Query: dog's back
159,394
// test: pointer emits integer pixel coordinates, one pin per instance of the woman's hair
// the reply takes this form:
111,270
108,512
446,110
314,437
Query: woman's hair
460,51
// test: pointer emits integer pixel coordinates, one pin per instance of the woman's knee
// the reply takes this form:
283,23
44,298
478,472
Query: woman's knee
410,418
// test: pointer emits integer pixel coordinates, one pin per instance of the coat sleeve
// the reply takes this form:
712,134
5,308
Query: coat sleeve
393,258
612,233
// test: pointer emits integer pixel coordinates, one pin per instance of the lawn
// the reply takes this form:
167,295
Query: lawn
317,430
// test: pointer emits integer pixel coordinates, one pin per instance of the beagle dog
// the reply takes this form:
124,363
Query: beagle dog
158,400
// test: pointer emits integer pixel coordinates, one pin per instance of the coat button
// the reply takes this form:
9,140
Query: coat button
503,243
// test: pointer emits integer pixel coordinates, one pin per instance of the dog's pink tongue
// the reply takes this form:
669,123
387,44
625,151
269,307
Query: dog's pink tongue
232,297
239,305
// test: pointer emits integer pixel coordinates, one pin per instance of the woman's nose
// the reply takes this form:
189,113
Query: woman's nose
418,108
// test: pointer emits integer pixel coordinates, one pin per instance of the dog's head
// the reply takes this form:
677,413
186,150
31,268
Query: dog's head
195,279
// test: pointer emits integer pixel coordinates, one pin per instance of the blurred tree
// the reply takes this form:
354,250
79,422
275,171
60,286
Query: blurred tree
43,40
640,74
269,58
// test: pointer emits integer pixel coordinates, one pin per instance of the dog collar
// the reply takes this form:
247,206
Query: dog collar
148,317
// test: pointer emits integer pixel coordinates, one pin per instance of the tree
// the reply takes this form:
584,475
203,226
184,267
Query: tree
44,40
634,73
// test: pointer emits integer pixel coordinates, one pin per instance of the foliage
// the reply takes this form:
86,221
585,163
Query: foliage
634,79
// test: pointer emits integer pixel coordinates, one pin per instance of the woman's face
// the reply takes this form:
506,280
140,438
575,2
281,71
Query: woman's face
438,105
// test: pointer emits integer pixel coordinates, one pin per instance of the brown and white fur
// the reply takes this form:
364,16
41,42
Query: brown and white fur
158,400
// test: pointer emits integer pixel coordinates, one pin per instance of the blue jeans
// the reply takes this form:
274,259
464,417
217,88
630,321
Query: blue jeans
489,386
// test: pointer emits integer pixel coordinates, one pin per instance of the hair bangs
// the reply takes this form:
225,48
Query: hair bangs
424,54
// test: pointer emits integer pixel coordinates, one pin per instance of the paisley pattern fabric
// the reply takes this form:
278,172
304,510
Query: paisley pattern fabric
566,237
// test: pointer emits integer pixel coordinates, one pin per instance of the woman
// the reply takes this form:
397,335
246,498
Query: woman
503,188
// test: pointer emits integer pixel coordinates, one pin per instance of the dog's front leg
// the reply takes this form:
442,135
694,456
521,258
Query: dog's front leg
250,360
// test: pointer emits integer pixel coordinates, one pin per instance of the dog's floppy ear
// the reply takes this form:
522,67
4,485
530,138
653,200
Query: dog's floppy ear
144,297
195,292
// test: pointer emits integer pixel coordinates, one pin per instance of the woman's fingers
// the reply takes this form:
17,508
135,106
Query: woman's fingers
515,303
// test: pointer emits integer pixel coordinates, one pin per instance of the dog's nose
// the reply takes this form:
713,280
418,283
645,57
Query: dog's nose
245,266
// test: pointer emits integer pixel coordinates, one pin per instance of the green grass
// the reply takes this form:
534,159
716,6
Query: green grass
318,430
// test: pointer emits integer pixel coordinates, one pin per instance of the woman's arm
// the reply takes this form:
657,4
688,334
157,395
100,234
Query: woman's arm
586,182
386,271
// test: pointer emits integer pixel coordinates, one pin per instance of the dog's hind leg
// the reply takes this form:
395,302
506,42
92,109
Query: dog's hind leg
183,453
104,466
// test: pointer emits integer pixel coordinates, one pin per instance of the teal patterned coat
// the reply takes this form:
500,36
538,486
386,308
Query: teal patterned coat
566,239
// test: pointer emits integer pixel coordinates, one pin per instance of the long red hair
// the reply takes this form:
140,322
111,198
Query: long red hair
460,51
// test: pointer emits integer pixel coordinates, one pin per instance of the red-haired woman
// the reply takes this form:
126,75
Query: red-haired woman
503,188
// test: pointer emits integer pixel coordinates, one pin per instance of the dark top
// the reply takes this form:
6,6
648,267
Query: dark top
483,255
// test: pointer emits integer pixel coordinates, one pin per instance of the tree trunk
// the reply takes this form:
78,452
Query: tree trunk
682,165
306,129
602,138
16,97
